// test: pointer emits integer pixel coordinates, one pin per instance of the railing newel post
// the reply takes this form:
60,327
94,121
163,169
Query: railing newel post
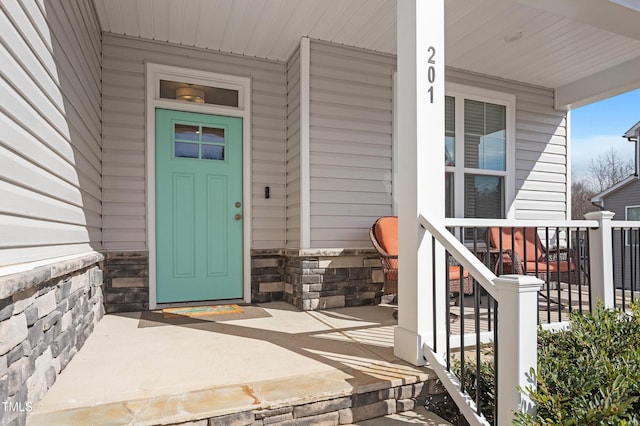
517,334
601,259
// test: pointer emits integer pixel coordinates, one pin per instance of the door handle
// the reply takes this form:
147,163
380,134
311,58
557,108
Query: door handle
238,217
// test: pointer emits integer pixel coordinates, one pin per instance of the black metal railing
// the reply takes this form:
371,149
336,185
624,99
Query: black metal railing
471,334
472,340
626,264
559,256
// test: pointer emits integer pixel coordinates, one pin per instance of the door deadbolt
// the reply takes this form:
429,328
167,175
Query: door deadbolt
238,204
238,216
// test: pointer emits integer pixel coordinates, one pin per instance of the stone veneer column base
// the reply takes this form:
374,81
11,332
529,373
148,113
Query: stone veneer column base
46,315
333,278
267,275
126,281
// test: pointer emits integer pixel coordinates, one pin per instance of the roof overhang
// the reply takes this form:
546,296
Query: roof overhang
613,81
586,50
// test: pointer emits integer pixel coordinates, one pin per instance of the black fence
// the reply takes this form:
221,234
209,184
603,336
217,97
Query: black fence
626,264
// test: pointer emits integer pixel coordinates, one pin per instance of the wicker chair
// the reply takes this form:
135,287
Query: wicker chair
527,256
384,237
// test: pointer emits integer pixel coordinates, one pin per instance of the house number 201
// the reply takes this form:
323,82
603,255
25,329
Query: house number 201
431,71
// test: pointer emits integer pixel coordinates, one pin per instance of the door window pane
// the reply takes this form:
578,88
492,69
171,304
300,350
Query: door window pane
211,134
213,152
484,135
186,132
186,150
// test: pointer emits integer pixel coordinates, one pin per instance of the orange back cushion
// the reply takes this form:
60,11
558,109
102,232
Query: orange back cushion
386,232
520,241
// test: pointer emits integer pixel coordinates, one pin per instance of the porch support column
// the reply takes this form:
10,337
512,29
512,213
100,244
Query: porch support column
420,112
517,350
601,259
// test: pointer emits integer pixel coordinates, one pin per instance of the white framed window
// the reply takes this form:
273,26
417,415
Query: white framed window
479,153
632,213
632,236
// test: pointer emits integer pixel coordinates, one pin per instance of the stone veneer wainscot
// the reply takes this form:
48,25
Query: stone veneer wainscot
309,279
46,315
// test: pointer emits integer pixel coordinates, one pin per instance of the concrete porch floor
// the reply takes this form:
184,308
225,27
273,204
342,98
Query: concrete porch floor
323,367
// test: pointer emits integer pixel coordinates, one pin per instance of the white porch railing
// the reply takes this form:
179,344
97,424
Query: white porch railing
511,302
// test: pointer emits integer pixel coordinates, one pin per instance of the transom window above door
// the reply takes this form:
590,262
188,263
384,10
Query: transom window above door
199,93
195,141
478,147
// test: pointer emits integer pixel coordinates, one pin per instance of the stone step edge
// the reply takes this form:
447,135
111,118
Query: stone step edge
242,405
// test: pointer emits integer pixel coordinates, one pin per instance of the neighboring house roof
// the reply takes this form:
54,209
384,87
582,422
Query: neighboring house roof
632,133
598,198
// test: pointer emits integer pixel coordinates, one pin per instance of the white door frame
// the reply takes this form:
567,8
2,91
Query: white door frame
157,72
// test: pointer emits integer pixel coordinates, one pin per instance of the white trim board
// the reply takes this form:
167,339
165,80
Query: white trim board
394,148
153,74
305,143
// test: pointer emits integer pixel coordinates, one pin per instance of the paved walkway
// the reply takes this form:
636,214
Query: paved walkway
135,372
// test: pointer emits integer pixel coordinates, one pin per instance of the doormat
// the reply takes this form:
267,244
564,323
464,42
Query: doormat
201,311
159,318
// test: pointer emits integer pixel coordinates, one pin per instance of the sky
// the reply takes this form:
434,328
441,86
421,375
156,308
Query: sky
598,127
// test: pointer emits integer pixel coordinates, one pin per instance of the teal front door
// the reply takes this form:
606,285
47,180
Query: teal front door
198,207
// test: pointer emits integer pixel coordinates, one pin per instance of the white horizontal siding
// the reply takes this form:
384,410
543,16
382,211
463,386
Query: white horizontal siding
124,136
50,143
541,146
293,151
351,127
351,133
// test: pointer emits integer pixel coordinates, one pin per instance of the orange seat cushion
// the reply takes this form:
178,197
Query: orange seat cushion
387,234
553,267
454,273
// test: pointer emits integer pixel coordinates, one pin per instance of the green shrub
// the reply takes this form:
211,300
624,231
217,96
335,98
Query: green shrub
485,381
589,375
448,410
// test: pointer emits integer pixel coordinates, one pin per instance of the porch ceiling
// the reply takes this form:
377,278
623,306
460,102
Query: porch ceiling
585,49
